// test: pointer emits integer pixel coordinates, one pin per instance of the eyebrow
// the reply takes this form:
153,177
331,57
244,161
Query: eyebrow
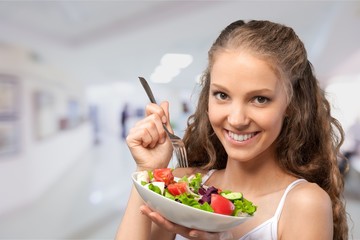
256,91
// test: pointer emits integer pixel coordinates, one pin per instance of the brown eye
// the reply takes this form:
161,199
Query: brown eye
261,100
220,95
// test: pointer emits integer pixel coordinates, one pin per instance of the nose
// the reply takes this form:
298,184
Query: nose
238,117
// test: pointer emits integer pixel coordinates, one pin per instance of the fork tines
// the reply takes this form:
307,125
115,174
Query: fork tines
180,152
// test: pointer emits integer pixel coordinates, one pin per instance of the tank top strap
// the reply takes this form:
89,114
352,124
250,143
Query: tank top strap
282,200
207,176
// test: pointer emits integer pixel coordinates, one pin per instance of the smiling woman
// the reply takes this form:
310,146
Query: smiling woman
259,115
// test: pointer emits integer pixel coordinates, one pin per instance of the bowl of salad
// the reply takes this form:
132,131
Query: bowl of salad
185,201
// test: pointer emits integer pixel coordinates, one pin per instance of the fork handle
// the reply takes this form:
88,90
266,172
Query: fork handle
148,91
147,88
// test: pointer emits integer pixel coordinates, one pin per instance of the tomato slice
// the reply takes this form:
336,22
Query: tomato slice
221,204
163,175
177,188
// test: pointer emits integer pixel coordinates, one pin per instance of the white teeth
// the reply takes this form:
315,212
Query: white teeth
241,137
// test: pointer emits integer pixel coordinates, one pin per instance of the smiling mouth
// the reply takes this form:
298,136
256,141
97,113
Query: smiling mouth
241,137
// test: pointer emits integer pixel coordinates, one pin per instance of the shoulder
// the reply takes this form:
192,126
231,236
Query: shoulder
307,206
308,194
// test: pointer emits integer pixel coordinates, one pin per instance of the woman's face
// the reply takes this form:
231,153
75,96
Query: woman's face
247,104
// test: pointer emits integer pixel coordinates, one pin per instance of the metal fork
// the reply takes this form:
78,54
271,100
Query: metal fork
178,144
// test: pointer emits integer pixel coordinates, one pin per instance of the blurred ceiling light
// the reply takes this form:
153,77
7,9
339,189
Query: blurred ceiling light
170,66
164,74
176,60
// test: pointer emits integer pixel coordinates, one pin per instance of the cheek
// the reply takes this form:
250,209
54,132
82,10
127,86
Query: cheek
277,125
215,116
212,117
273,122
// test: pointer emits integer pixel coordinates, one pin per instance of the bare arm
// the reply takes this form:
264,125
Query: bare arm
134,224
150,149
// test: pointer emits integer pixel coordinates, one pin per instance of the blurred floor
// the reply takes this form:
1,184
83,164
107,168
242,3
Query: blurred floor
88,202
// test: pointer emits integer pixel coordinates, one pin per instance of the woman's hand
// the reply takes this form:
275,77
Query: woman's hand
183,231
147,140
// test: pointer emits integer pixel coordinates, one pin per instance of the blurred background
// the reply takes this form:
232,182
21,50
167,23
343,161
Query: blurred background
69,92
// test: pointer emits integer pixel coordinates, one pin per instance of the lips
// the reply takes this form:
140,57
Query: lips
241,137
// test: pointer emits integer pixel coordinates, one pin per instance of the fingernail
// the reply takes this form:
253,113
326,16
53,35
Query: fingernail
163,119
193,234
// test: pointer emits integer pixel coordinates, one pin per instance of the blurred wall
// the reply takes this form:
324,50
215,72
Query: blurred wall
110,99
45,134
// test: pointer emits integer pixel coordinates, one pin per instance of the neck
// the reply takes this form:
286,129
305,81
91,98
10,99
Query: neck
255,177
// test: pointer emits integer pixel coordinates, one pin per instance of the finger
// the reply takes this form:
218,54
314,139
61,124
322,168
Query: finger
164,223
146,133
161,134
144,209
165,106
139,136
157,218
172,227
153,108
154,129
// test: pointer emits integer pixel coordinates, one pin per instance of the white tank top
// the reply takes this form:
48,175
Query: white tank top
268,229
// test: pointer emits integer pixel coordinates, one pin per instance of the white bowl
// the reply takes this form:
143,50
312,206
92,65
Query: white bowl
185,215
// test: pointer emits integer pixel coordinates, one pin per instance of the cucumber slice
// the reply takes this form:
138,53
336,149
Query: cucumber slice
232,195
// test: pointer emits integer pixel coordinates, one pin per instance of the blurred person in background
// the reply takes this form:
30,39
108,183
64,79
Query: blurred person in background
352,146
124,117
262,127
94,119
181,121
354,135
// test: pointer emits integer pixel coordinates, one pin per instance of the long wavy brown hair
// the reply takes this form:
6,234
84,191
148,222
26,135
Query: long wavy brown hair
309,143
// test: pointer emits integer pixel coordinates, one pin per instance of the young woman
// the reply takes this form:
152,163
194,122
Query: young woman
263,127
